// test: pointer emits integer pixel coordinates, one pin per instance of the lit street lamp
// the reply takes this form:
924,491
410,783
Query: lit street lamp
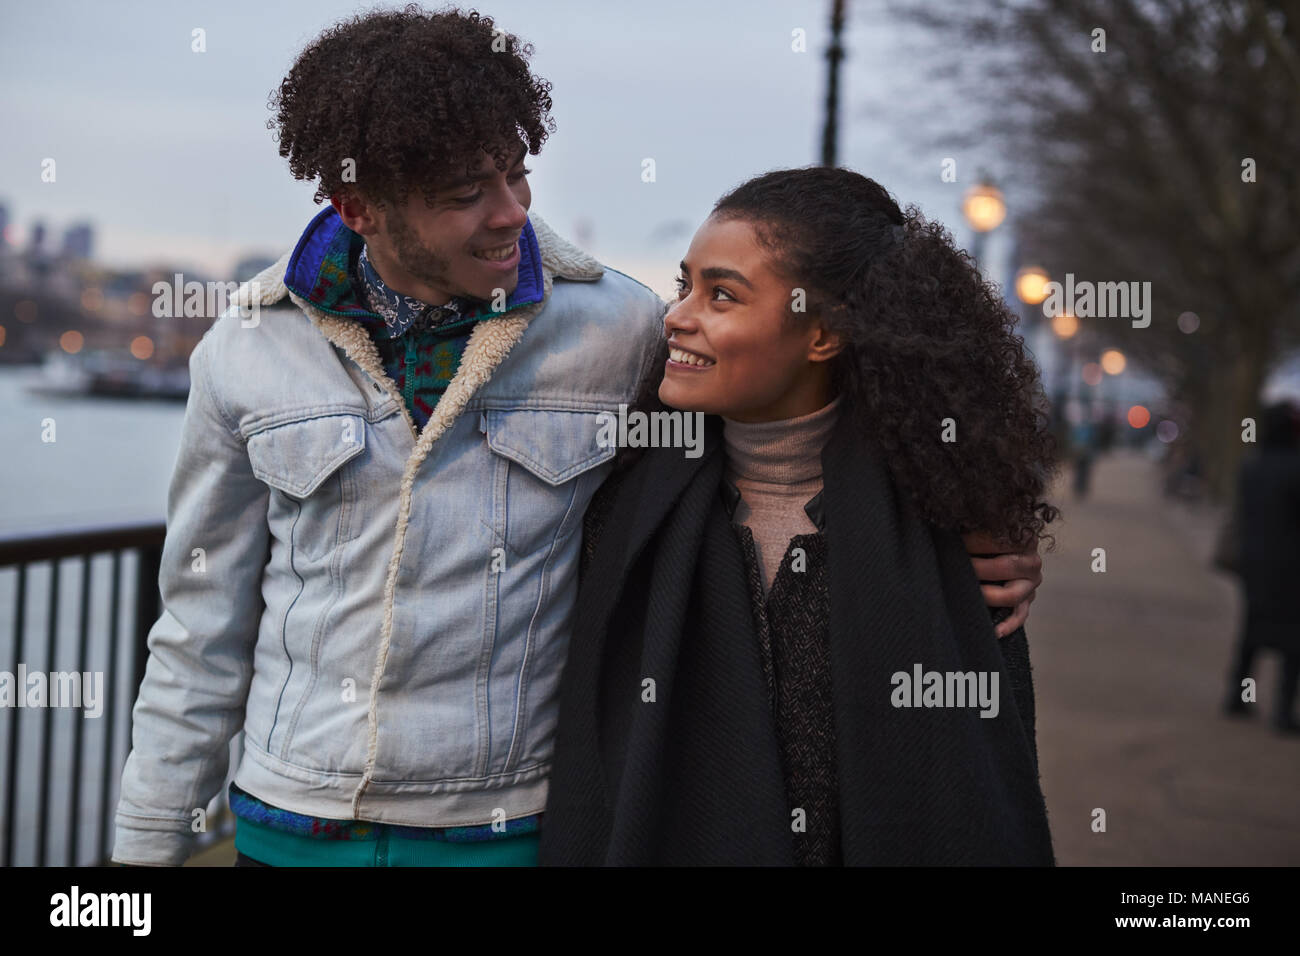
1065,325
984,210
1031,285
1113,361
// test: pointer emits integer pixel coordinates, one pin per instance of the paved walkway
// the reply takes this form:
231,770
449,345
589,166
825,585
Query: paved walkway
1129,673
220,854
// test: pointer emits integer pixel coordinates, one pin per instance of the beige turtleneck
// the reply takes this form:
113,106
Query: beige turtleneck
777,467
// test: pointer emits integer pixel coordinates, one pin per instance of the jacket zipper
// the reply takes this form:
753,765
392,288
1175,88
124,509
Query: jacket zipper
408,386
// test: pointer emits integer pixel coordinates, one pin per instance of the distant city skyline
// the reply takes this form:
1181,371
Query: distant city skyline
77,239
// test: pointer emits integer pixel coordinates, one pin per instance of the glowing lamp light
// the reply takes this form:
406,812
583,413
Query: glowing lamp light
142,347
1139,417
1065,325
71,341
1092,373
1113,361
1031,285
983,207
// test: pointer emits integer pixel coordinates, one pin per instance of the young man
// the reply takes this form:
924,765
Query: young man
374,522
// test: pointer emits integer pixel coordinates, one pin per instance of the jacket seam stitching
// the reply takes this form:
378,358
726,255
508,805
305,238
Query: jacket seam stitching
222,412
500,478
297,417
261,756
319,632
521,692
284,627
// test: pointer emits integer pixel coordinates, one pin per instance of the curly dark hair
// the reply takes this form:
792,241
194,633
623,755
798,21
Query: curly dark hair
411,97
928,339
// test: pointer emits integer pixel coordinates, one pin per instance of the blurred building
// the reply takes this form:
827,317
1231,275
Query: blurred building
79,241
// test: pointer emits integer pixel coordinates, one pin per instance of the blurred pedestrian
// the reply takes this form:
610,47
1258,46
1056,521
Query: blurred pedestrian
1268,502
1083,440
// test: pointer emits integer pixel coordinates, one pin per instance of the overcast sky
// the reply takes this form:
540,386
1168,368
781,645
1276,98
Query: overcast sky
167,153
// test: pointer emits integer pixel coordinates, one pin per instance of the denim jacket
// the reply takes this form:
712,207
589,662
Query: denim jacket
384,614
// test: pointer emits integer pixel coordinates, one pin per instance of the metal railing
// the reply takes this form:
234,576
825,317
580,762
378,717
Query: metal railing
19,555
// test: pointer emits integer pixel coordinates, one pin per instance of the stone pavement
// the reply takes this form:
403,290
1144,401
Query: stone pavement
1129,672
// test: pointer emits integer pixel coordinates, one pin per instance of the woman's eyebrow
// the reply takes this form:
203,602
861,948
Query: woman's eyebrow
717,272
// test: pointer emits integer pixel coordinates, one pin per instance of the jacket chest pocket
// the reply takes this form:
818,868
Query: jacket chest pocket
315,509
546,466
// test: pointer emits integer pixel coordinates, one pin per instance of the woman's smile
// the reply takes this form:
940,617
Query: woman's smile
680,358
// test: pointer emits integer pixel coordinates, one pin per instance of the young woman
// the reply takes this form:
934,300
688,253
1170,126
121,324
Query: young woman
783,655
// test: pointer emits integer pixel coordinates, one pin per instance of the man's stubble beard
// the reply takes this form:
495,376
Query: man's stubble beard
420,261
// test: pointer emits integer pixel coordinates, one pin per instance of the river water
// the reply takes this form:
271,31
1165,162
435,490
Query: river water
111,459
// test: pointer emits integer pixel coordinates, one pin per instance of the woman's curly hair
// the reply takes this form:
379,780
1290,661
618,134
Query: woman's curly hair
928,340
411,97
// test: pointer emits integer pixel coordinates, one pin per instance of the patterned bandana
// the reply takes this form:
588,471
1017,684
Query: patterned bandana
401,312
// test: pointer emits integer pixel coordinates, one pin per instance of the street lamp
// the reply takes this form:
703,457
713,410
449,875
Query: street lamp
1065,325
1031,285
1113,361
984,210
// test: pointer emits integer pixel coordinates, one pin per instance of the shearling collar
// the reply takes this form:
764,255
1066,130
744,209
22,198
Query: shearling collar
560,259
487,347
324,264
